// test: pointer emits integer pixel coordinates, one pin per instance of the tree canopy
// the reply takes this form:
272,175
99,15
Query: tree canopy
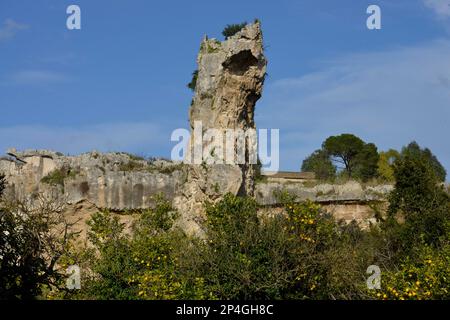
385,164
344,150
356,158
414,151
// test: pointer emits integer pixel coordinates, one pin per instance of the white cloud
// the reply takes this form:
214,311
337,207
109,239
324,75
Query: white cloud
36,77
10,28
142,137
388,98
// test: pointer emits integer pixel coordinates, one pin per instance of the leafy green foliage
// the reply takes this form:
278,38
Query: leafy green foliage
302,254
420,199
231,29
259,177
424,276
385,164
140,265
344,149
357,158
367,162
281,257
414,151
416,234
319,162
58,176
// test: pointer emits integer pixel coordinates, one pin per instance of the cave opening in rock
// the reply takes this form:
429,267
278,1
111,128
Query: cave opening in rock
239,63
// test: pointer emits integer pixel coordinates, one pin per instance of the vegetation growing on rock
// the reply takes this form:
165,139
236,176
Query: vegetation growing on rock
58,176
192,85
231,29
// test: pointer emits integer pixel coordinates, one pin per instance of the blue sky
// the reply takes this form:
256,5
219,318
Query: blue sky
119,83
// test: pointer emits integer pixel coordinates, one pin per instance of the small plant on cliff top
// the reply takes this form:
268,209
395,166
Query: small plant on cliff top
231,29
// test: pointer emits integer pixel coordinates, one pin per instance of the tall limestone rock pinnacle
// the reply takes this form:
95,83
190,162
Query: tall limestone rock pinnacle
229,83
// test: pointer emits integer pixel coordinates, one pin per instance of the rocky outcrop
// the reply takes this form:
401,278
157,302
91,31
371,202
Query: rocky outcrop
229,83
114,181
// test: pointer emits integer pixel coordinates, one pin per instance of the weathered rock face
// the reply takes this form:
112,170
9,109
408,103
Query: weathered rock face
352,191
114,181
230,81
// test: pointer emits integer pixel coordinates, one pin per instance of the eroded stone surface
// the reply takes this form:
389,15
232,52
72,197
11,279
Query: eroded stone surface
230,81
266,193
114,181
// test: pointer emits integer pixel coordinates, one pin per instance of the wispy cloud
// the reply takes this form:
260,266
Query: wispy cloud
141,137
388,98
10,28
36,77
440,7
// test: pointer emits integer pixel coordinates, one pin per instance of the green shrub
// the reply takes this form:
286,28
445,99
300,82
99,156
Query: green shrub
414,151
231,29
193,84
421,200
425,276
58,176
140,265
281,257
385,164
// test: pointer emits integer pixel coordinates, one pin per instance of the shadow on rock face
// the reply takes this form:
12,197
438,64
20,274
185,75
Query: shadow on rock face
239,63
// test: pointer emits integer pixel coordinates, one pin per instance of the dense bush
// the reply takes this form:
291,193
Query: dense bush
420,200
303,254
142,264
385,164
423,275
